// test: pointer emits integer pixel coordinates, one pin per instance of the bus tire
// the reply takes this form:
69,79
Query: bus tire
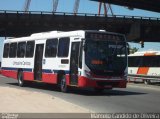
147,82
63,84
21,82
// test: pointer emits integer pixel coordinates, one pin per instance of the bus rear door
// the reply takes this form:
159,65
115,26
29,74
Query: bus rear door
38,62
74,63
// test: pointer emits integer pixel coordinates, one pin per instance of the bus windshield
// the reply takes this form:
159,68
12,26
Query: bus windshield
106,57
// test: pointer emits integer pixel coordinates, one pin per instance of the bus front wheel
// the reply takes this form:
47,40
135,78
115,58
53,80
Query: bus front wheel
20,79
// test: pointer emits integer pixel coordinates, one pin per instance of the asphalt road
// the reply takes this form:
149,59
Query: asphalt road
134,99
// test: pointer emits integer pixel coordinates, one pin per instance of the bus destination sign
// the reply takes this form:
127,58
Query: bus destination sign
103,36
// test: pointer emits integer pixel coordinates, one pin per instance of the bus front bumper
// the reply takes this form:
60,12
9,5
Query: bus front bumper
86,82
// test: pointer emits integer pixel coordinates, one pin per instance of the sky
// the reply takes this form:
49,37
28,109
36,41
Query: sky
86,6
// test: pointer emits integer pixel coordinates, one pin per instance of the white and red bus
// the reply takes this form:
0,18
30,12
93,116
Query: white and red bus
144,67
94,59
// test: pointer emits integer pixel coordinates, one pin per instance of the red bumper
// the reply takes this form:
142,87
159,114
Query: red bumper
86,82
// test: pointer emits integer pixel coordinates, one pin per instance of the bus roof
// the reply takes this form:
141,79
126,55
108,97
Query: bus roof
55,34
47,35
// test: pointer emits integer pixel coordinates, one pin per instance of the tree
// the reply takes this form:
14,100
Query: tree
133,50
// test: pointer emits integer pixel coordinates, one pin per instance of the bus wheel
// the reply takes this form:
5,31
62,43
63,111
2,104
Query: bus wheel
20,79
99,90
63,84
147,82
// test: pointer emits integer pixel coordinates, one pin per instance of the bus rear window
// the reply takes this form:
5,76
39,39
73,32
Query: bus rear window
6,50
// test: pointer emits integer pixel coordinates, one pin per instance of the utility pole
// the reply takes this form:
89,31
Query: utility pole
76,6
107,7
100,7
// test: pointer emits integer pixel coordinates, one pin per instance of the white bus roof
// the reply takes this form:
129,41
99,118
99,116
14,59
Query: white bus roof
47,35
54,34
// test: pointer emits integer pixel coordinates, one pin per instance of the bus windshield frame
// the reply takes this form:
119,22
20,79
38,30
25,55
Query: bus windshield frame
106,56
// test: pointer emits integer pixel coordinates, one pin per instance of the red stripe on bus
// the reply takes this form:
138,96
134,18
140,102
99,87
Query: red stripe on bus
86,82
49,78
149,54
143,70
82,81
10,73
28,76
67,79
46,78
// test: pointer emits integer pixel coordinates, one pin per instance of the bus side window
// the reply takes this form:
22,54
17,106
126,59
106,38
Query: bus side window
6,50
130,61
30,48
154,61
13,50
21,49
140,61
144,61
63,47
51,48
133,61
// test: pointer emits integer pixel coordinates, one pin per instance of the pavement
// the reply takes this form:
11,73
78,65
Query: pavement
39,97
13,100
153,86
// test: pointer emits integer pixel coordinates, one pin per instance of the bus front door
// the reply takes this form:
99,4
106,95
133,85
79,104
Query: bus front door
74,63
38,62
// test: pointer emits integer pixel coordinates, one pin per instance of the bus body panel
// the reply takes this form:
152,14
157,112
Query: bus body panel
49,78
148,69
87,82
29,76
51,66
